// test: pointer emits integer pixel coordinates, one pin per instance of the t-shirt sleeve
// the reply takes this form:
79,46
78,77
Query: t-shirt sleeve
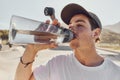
51,70
42,72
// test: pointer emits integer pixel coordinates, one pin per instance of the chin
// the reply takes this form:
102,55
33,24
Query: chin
74,44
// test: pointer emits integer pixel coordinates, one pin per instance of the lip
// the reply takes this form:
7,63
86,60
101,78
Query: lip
74,36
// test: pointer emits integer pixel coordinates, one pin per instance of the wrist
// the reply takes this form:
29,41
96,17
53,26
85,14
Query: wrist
25,63
29,54
31,48
30,51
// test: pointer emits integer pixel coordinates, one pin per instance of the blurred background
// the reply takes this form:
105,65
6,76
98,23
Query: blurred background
108,46
106,10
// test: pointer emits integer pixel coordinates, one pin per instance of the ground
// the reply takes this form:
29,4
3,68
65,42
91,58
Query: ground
9,58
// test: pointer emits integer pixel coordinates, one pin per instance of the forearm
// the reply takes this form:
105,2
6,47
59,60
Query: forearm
23,71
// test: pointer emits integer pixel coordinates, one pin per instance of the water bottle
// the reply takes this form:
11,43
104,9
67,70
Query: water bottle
27,31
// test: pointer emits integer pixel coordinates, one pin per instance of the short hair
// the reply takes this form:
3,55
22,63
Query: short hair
93,26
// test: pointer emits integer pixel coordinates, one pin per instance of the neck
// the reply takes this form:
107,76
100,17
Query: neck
88,57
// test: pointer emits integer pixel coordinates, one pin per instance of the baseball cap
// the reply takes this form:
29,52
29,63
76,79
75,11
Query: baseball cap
73,9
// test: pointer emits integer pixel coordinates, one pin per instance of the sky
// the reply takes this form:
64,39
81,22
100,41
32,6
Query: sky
107,10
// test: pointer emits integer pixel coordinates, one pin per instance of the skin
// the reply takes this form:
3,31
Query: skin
84,43
83,46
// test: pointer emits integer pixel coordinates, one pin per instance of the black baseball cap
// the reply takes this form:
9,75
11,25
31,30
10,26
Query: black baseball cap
73,9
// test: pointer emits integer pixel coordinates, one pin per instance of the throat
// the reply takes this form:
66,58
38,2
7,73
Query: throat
89,59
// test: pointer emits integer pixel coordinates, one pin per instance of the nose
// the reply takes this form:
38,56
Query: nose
72,27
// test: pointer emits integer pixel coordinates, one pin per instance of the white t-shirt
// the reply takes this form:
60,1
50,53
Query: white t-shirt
67,67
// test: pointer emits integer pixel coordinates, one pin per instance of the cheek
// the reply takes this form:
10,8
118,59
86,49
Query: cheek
83,33
84,37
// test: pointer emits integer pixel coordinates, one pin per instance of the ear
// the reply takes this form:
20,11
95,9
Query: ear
96,33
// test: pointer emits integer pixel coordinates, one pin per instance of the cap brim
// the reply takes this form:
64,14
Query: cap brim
70,10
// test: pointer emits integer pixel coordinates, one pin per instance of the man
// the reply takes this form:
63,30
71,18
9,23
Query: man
83,64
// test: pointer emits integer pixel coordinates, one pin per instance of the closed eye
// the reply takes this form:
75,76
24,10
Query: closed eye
79,25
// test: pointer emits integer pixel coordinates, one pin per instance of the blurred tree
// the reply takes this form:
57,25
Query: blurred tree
4,34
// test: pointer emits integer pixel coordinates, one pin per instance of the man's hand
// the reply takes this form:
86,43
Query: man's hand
36,47
46,32
46,41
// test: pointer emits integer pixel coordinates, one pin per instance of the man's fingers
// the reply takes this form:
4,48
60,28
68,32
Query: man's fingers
55,22
47,22
38,47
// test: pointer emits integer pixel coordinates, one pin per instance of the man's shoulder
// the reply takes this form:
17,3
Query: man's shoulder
61,59
113,66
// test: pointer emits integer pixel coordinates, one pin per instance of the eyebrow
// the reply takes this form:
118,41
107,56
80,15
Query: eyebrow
79,20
